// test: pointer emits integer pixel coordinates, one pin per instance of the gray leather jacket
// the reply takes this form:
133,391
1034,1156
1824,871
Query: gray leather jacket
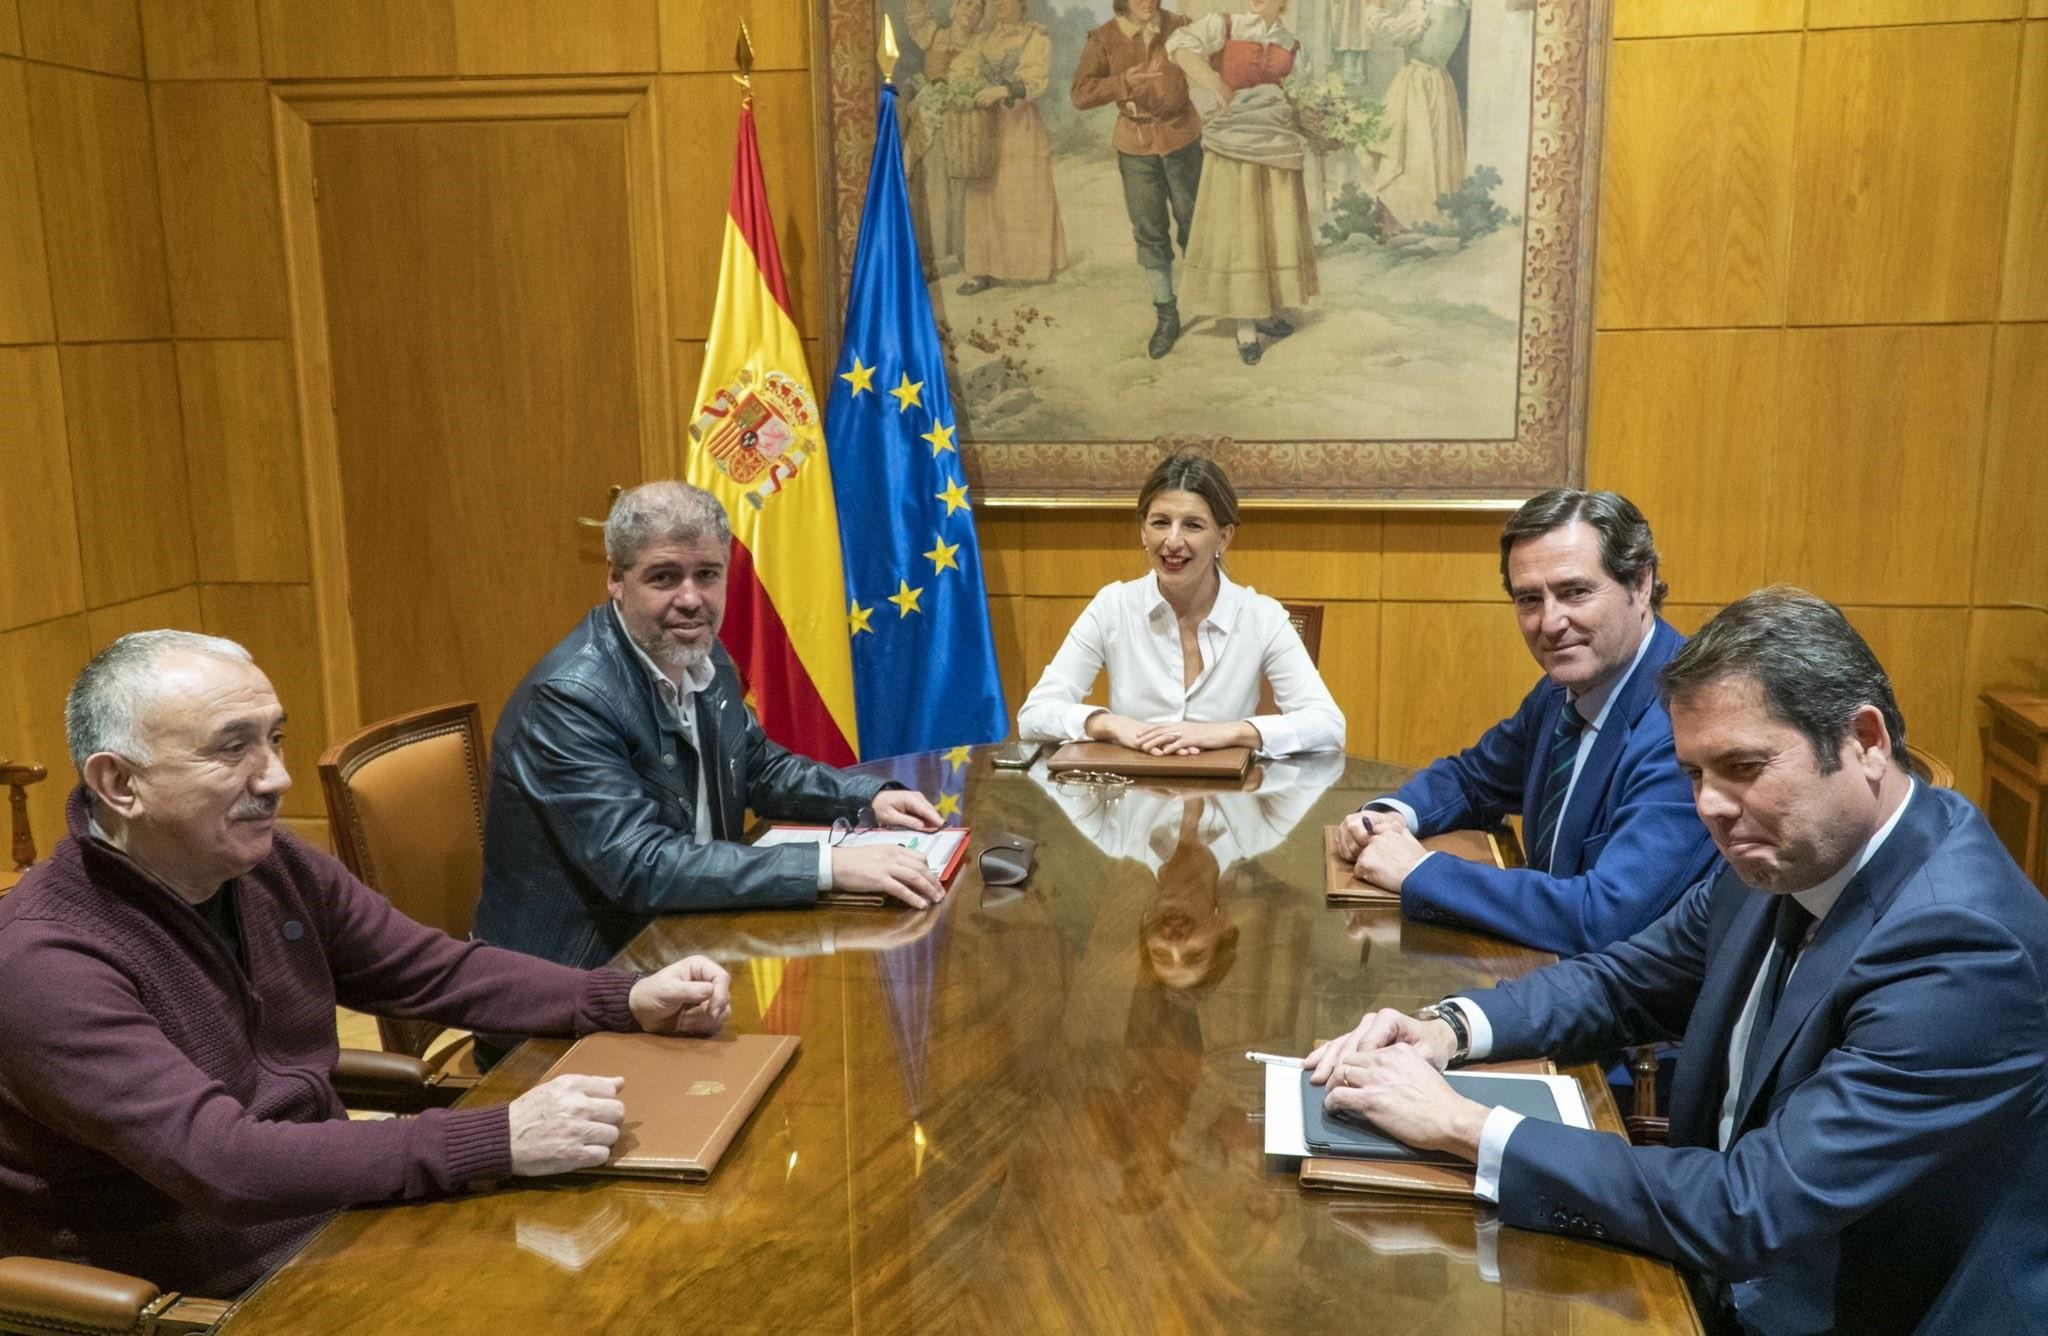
590,827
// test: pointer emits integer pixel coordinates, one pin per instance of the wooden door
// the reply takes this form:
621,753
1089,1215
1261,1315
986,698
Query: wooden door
478,284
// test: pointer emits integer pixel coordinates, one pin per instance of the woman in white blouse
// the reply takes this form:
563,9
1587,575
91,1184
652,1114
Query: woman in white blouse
1186,647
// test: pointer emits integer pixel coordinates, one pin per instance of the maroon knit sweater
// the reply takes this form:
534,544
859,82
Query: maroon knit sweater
166,1113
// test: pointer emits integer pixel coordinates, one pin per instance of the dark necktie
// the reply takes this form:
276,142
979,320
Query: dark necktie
1788,935
1564,752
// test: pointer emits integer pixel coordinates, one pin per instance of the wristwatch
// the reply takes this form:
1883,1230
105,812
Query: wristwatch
1451,1016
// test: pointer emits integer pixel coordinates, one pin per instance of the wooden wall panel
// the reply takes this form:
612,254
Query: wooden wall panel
1855,13
221,229
340,39
39,538
174,609
1308,557
1697,196
37,665
2012,540
24,268
693,41
243,466
554,36
1075,553
1903,144
128,469
1923,652
1434,558
1883,430
1448,672
1046,622
201,39
101,35
10,29
1685,424
1352,669
2008,648
275,624
101,226
2025,288
1006,628
1685,18
700,119
1002,542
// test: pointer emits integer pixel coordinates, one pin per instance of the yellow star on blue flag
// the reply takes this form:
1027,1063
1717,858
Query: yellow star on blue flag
942,556
955,496
860,378
905,598
907,394
941,437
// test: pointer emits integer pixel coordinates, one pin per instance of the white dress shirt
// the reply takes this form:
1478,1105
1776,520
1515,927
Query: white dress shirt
681,698
1245,640
1593,706
1815,900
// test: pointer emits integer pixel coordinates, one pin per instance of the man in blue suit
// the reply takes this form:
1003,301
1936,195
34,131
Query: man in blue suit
1607,820
1862,1142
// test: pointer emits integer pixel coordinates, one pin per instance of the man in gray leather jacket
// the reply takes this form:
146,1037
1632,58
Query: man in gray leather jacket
606,811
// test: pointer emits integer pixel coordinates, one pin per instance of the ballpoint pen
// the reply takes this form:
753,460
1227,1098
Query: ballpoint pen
1274,1059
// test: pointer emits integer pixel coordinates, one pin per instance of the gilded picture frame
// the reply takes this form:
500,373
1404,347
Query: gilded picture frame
1441,364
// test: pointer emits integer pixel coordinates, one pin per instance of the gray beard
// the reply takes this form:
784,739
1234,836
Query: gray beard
676,656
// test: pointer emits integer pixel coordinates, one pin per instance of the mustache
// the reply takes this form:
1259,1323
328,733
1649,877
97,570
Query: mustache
250,809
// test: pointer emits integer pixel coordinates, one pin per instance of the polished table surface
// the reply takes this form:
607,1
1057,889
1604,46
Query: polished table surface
1018,1111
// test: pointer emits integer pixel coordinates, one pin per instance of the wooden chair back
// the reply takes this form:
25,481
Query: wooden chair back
1308,624
17,776
405,797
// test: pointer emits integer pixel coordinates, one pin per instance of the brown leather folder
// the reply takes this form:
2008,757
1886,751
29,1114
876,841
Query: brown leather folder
1229,763
1342,886
685,1099
1402,1178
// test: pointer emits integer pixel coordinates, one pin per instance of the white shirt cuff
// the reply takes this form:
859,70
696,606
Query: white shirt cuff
824,867
1493,1143
1277,735
1478,1030
1074,722
1398,808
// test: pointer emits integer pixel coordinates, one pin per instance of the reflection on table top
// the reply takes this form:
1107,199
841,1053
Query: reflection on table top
1021,1110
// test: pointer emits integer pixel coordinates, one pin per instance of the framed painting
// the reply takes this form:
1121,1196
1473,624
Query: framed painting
1345,245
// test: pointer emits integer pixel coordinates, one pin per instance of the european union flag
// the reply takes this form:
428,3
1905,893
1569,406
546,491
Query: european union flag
924,664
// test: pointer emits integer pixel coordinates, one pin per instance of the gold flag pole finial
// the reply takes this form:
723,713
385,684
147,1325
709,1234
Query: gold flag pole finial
743,56
888,53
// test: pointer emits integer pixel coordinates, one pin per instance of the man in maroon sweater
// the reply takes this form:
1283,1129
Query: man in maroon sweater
172,973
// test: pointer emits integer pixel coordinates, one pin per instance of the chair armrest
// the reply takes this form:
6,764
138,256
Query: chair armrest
46,1294
367,1078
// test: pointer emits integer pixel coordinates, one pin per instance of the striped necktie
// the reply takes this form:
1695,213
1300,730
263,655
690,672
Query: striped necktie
1564,753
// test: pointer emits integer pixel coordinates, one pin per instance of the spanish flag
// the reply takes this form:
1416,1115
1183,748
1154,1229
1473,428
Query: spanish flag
757,443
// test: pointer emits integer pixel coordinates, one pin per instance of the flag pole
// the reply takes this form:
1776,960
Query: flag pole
743,56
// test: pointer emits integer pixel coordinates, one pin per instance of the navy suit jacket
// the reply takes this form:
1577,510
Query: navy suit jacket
1627,846
1887,1169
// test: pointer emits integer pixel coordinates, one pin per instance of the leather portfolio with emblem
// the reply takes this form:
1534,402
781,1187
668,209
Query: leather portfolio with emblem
686,1099
1342,886
1222,763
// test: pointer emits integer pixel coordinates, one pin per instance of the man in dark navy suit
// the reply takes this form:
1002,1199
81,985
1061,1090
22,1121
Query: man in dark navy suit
1859,1138
1607,820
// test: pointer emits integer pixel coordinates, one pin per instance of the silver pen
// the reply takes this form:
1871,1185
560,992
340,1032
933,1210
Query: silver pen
1274,1059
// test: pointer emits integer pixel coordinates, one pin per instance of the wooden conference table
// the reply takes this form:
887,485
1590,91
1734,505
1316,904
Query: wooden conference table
1023,1110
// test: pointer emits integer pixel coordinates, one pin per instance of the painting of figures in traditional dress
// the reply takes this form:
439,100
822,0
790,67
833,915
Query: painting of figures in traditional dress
1292,222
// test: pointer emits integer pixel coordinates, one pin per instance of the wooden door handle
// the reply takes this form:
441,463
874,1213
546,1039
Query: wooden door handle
609,502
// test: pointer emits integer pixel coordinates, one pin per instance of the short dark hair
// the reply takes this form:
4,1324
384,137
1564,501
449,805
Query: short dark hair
1626,547
1186,471
1815,671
